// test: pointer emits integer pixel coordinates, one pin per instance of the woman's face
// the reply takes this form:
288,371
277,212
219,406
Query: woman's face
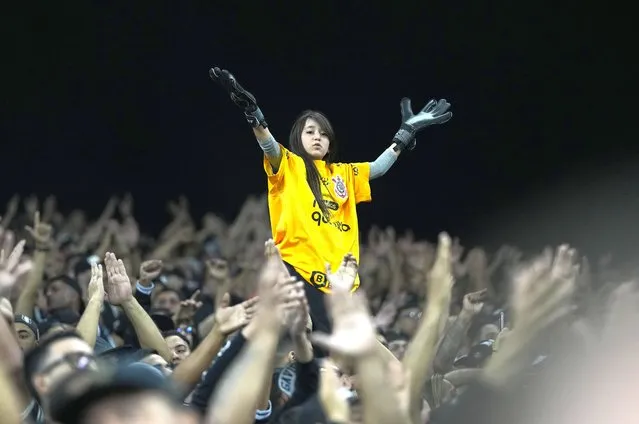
315,140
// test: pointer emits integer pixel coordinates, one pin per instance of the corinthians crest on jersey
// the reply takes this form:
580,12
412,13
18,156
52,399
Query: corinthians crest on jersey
339,186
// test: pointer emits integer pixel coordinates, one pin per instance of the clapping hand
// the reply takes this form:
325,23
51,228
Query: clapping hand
271,250
353,327
297,319
278,293
344,278
118,286
232,318
96,284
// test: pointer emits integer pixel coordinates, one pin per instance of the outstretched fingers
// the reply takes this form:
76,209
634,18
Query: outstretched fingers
406,109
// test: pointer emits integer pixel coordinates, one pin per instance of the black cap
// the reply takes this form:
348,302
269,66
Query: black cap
162,319
71,282
74,395
33,326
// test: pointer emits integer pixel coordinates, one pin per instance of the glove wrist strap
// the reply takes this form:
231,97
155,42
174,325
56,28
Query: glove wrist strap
256,118
405,137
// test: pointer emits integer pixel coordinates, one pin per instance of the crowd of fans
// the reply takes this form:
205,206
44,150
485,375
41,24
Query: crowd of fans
103,325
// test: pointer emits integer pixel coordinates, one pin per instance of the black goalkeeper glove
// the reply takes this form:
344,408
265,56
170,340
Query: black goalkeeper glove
242,98
435,112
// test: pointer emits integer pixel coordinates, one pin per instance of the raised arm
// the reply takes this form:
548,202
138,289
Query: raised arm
435,112
421,350
227,319
234,400
10,367
119,292
246,101
90,320
41,233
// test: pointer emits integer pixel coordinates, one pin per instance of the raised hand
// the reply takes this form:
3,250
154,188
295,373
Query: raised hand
353,327
179,210
240,96
188,308
31,205
278,293
10,267
271,250
213,224
387,313
150,270
126,206
297,320
118,286
543,291
41,232
344,278
231,318
440,277
435,112
11,211
95,290
473,302
109,209
49,208
334,405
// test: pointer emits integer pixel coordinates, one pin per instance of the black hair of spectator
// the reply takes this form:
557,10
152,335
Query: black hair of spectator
175,272
162,319
164,289
34,358
82,265
76,394
177,333
71,282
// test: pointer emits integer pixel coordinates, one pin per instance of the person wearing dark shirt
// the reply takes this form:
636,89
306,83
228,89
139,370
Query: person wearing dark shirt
306,377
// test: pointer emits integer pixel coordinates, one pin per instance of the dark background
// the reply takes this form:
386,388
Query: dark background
103,98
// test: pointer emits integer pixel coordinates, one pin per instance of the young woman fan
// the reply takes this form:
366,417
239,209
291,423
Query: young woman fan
312,198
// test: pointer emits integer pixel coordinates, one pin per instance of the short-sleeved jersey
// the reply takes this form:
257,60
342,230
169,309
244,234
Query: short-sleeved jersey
305,238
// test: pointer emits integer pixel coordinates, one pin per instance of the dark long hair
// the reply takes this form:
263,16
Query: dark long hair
295,144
